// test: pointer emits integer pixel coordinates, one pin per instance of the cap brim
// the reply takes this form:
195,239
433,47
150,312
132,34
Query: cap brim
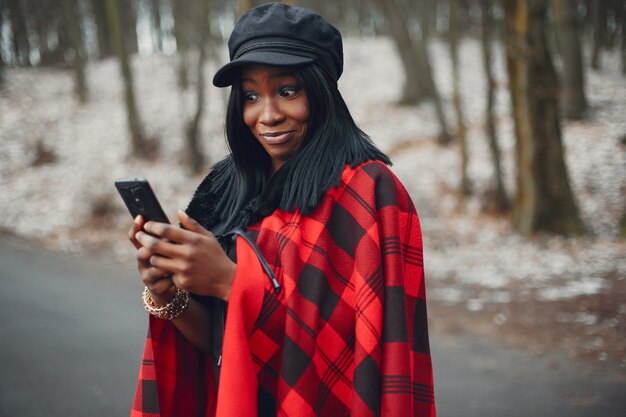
225,76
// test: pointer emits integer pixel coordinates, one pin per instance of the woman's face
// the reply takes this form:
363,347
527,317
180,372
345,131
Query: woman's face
276,109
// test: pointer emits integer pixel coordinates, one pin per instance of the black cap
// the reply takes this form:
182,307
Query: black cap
281,35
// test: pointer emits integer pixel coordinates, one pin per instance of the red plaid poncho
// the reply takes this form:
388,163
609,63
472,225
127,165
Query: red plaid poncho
347,335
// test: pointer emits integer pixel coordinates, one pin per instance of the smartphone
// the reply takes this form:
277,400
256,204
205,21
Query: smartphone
140,199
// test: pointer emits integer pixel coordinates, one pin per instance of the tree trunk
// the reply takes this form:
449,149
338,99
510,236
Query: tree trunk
412,92
622,224
194,156
103,30
613,13
76,40
623,42
419,82
499,199
599,28
425,74
453,41
544,201
128,11
408,15
573,101
138,141
51,19
427,13
43,19
157,36
2,65
244,5
182,42
21,45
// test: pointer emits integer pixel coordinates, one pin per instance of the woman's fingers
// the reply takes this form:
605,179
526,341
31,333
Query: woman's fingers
175,233
143,255
190,224
158,245
167,257
148,271
192,256
181,271
165,231
136,227
160,286
157,280
169,265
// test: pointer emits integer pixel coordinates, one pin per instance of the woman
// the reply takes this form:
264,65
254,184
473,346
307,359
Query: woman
324,290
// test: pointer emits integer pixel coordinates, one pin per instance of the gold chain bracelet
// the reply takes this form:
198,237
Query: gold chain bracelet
169,311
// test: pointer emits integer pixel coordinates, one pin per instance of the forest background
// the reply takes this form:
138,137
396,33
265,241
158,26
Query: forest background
504,119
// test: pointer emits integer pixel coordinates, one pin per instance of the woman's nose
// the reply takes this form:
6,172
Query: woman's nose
271,113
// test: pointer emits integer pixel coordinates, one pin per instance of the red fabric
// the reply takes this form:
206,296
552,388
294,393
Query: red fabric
347,335
238,382
174,378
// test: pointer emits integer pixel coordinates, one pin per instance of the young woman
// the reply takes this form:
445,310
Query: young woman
295,285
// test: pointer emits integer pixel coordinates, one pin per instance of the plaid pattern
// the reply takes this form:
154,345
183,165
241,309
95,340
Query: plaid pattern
347,335
174,378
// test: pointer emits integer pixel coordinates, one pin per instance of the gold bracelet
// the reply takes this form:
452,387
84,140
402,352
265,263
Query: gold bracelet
169,311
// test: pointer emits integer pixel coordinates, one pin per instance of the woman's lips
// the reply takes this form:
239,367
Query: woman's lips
276,138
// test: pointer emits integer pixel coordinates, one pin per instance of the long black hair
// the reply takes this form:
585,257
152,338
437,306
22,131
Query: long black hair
243,182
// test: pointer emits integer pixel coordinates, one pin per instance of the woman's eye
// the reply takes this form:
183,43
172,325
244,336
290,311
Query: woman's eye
288,91
250,96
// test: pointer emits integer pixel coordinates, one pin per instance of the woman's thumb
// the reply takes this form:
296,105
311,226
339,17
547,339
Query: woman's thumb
189,223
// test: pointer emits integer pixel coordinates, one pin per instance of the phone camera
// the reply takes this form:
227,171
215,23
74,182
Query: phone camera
136,193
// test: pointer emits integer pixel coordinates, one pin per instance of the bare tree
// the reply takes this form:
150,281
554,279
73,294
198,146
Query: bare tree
544,200
139,145
624,40
498,198
194,156
419,81
103,31
427,12
19,30
424,70
128,12
181,27
573,99
157,36
453,41
622,223
76,40
413,91
2,63
598,13
244,5
47,20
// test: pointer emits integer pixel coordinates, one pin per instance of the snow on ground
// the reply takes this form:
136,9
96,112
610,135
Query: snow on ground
58,203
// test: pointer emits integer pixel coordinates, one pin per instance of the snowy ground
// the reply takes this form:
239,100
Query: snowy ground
481,276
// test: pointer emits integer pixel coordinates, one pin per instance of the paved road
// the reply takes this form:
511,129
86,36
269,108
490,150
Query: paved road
72,331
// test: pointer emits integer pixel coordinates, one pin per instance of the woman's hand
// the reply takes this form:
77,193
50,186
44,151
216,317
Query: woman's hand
158,281
192,255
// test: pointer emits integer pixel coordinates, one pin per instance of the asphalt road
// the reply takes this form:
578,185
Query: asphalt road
72,331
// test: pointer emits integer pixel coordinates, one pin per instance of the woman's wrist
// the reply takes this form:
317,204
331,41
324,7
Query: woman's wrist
163,298
169,311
